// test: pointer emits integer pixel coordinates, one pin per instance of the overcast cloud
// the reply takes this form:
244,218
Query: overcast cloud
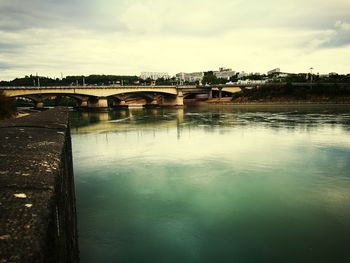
130,36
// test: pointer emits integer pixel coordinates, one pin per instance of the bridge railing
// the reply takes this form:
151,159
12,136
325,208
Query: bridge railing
88,87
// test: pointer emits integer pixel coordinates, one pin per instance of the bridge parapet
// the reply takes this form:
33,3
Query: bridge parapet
92,91
91,87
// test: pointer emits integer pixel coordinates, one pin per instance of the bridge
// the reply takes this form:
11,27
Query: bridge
98,96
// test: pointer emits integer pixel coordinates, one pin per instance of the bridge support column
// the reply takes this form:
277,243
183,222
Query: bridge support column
39,105
210,96
83,104
154,102
179,101
220,93
122,104
99,103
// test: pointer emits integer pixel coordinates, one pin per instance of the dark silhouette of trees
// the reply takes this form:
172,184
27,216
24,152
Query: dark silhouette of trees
292,92
73,80
209,78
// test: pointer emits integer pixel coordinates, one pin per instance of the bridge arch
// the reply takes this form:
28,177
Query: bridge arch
39,98
147,97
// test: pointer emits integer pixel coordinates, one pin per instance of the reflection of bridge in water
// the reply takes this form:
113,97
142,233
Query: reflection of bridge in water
104,96
150,120
122,119
209,119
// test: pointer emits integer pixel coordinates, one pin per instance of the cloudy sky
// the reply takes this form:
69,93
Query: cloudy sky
130,36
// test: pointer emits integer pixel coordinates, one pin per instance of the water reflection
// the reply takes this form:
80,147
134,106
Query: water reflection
219,184
212,119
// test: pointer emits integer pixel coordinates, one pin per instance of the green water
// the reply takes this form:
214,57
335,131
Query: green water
219,184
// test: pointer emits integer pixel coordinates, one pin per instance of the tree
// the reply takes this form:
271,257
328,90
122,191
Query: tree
209,78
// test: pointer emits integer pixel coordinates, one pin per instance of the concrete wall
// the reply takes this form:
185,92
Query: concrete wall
37,200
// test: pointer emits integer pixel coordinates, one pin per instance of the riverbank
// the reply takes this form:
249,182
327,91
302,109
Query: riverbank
37,212
278,101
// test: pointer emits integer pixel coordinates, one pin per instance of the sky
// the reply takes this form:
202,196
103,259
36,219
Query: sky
127,37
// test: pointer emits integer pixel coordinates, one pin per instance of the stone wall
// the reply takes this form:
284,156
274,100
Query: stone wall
37,200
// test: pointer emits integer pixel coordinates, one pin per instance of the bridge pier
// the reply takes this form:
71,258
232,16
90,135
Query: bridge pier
179,101
220,93
152,104
120,105
83,104
98,103
39,105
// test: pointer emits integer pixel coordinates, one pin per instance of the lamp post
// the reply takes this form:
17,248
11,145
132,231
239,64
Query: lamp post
38,79
311,74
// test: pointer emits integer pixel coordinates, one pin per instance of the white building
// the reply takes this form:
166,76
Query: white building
190,77
242,74
154,75
273,71
224,73
180,76
250,81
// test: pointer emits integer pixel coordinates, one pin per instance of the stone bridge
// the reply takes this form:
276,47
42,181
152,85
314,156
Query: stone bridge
98,96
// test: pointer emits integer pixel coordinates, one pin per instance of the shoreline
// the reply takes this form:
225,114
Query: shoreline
276,102
273,103
25,112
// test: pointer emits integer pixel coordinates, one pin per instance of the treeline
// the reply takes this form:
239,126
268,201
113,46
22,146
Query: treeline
303,77
291,92
87,80
210,78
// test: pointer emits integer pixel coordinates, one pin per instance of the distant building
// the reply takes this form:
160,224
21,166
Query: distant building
180,76
249,81
283,74
273,71
154,75
323,75
242,74
224,73
190,77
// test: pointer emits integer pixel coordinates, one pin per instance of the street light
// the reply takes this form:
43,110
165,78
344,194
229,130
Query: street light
311,74
38,79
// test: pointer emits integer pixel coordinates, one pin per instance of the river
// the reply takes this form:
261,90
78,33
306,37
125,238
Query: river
213,184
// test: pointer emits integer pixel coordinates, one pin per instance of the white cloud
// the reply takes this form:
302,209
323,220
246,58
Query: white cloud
342,25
